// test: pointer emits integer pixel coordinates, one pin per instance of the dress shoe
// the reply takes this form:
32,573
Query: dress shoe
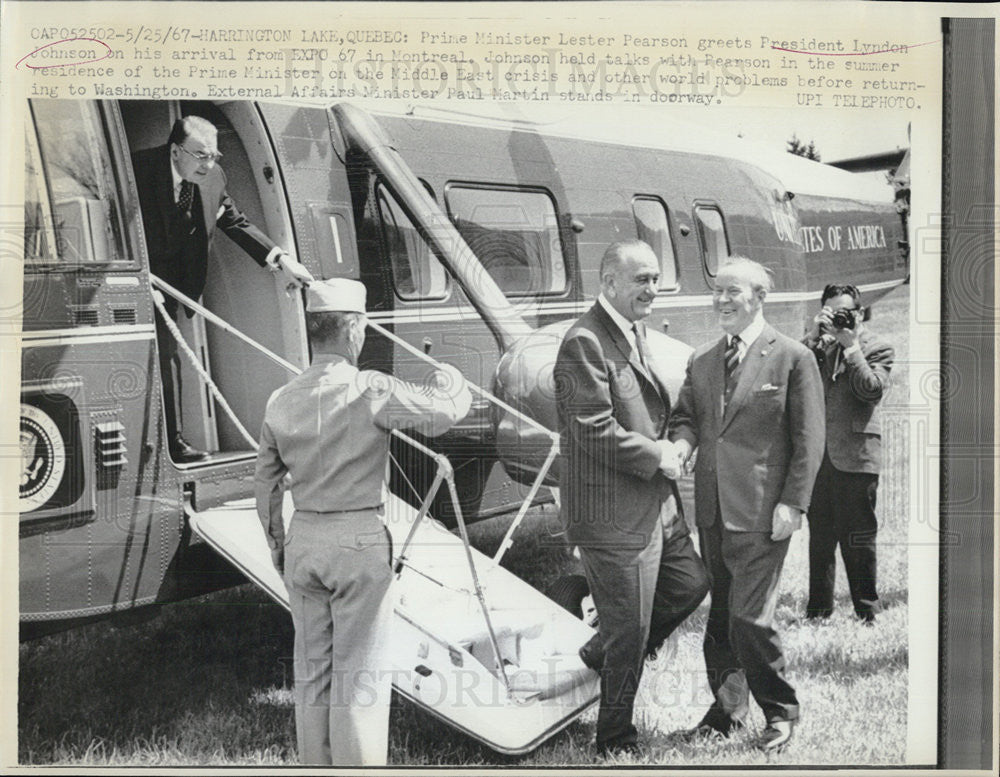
709,728
592,653
183,453
776,735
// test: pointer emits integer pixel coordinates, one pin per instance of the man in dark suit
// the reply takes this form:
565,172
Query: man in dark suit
752,404
854,365
620,505
182,195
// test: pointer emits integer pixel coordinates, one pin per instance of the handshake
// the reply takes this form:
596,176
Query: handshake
673,457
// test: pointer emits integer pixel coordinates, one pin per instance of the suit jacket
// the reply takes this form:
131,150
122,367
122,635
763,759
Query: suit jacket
853,420
155,185
766,446
611,412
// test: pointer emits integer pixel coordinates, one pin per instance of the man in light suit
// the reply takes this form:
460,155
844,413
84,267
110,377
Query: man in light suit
620,505
854,365
752,404
329,429
183,198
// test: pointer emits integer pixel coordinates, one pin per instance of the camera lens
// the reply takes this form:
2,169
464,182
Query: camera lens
843,319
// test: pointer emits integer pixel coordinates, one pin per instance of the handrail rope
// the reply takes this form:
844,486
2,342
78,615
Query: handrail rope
193,358
399,469
553,436
208,315
549,459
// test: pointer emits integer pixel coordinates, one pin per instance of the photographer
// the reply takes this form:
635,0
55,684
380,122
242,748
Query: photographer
854,366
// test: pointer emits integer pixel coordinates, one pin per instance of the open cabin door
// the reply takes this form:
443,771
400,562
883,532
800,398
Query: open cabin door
236,289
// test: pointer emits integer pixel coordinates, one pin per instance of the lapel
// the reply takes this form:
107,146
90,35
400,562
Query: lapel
716,359
207,207
755,358
832,360
164,189
621,342
656,378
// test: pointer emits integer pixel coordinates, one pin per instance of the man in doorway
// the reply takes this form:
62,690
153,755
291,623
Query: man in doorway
620,503
854,365
183,198
329,429
752,404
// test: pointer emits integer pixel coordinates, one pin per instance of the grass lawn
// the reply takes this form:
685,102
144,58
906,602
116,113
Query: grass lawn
206,682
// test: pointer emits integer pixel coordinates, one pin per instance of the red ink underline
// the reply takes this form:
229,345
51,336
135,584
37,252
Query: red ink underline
894,50
64,64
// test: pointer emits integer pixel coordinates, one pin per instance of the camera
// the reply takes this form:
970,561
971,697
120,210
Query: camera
843,318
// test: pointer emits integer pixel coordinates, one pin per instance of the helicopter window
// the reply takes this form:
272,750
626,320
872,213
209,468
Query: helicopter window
712,233
39,240
82,195
514,233
652,225
417,273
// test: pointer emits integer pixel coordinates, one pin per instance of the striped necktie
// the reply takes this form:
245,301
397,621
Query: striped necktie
732,357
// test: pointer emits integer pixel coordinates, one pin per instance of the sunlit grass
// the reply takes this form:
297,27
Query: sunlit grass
207,682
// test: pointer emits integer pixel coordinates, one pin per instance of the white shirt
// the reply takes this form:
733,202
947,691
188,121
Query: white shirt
623,323
748,335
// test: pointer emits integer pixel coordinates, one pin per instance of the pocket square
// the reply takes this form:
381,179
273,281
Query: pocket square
218,215
767,387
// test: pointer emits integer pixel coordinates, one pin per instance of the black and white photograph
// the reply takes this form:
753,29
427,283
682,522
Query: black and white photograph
501,427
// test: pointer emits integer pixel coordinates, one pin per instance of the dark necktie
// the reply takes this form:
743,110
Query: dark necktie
186,197
640,346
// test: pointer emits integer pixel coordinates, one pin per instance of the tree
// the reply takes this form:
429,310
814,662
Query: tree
797,147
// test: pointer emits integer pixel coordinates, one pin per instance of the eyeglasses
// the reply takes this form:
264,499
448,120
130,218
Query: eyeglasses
201,156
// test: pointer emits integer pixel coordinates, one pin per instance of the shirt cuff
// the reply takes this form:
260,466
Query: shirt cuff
271,260
853,349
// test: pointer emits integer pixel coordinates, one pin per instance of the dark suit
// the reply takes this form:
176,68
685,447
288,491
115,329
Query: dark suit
762,448
167,232
619,508
842,510
178,246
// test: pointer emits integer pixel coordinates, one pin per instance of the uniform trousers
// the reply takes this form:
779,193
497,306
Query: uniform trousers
743,651
641,594
338,572
842,512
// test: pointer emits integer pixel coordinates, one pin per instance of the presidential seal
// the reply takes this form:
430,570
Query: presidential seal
43,458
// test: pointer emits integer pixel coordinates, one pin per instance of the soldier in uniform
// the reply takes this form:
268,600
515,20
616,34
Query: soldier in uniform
329,430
